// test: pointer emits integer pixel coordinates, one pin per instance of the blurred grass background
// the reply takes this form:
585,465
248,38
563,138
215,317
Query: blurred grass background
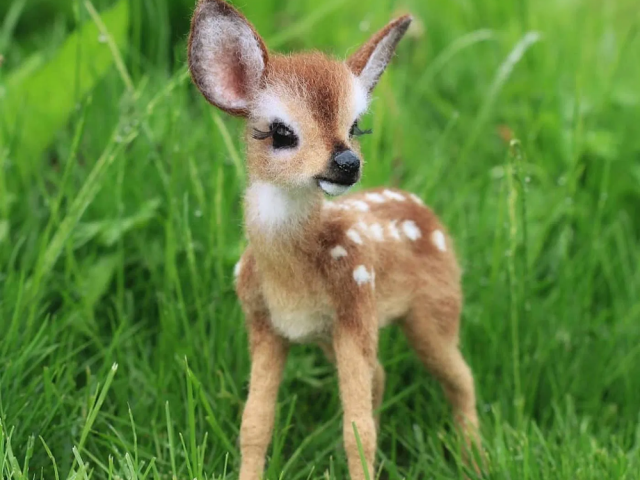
122,348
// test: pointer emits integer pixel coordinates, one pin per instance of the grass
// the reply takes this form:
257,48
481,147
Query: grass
122,348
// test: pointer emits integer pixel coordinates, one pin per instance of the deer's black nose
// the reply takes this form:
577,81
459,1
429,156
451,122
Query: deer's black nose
347,161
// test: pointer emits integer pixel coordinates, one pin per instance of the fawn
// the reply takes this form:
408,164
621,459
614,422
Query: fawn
330,272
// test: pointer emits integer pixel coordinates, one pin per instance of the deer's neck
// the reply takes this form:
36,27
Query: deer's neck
281,222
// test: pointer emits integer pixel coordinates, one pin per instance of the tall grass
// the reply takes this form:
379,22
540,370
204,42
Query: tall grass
120,223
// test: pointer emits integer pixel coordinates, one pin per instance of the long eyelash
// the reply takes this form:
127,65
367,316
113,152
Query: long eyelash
357,132
260,135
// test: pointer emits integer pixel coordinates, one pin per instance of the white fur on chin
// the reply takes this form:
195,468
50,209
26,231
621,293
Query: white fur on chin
333,188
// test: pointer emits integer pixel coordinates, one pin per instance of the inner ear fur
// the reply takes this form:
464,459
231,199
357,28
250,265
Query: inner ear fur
370,60
227,56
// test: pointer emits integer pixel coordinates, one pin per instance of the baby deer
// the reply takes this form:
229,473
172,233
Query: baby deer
320,271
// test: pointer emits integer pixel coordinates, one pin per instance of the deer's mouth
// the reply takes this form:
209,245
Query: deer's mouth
331,187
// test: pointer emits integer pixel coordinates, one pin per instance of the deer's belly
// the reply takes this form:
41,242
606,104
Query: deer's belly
299,314
302,325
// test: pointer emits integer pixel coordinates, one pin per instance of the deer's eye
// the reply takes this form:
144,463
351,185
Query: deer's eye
356,132
283,136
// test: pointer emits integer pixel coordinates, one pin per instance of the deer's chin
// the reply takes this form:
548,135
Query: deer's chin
333,189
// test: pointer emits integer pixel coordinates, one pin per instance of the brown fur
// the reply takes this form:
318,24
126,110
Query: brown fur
318,82
316,101
293,287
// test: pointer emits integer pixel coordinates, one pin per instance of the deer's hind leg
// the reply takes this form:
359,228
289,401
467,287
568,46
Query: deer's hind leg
432,330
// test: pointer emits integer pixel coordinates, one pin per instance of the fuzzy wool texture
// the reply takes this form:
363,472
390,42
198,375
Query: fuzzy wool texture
275,210
269,107
439,240
361,275
371,60
226,58
360,97
375,198
319,271
411,230
338,252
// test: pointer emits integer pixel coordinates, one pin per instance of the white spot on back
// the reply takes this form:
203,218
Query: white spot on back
376,232
363,227
358,205
416,199
439,240
361,275
375,197
237,269
354,236
411,230
393,230
337,206
338,252
393,195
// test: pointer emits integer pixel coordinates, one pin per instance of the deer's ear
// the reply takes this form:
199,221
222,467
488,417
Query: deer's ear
227,57
370,60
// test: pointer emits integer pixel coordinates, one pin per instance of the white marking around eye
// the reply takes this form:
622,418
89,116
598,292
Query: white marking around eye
360,97
354,236
269,107
411,230
439,240
393,230
375,197
338,252
361,275
416,199
393,195
376,232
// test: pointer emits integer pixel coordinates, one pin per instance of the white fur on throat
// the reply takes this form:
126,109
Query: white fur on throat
217,42
274,209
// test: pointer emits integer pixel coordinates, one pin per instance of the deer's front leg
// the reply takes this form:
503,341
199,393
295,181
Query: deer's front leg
268,355
355,345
